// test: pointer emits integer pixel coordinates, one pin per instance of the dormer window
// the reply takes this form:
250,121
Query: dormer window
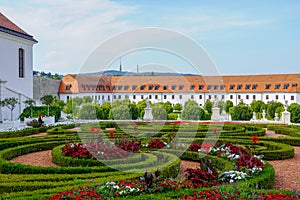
216,87
119,87
165,87
231,87
254,86
222,87
239,86
126,87
285,86
247,87
134,87
268,86
294,85
277,86
142,87
200,87
156,87
192,87
180,87
209,87
173,87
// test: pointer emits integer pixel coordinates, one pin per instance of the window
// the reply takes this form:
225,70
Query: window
247,96
142,87
276,97
231,96
209,87
114,87
150,87
126,87
119,87
254,86
173,87
247,86
192,87
180,96
223,96
285,86
209,96
115,96
21,63
267,96
68,86
156,87
102,97
120,97
231,87
173,96
222,87
180,87
292,98
277,86
165,87
134,97
216,96
268,86
200,96
239,86
156,96
254,97
239,96
68,98
216,87
294,85
108,87
165,96
200,87
150,96
134,87
192,96
142,96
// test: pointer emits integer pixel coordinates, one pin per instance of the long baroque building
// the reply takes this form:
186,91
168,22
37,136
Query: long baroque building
179,89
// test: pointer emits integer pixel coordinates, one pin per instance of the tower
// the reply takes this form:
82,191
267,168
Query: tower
120,65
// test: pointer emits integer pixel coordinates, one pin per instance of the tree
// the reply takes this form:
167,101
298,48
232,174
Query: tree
47,100
221,106
257,106
228,105
271,109
208,106
241,112
168,107
30,103
120,110
106,108
294,109
10,103
191,111
141,105
87,111
87,99
159,112
133,111
177,107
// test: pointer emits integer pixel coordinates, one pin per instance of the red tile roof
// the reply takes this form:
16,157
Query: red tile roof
6,23
152,84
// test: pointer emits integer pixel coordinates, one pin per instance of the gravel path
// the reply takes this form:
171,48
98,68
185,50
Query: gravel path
41,158
270,133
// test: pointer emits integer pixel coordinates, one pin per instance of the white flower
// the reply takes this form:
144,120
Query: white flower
231,181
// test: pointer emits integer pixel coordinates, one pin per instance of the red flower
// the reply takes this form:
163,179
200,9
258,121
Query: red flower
206,146
135,127
97,130
111,132
254,139
215,129
92,130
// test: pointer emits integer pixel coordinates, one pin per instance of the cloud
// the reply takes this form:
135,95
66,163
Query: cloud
68,30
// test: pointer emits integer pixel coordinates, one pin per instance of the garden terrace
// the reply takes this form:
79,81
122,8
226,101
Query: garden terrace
19,181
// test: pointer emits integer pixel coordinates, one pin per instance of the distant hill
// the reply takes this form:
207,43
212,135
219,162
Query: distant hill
48,75
118,73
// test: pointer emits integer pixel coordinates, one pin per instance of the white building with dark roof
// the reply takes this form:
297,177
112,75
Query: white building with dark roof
16,65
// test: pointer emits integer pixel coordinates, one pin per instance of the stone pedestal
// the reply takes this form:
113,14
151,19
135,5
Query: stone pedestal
148,117
286,117
215,114
178,118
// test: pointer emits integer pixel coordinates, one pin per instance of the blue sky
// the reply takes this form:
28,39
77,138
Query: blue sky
245,37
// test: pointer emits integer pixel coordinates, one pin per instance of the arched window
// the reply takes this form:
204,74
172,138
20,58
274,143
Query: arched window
21,63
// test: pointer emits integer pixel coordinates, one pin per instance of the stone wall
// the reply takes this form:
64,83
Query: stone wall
45,86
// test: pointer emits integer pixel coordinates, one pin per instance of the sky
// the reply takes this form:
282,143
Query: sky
244,37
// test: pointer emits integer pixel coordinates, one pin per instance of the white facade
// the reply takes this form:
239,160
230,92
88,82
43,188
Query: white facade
181,98
18,85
